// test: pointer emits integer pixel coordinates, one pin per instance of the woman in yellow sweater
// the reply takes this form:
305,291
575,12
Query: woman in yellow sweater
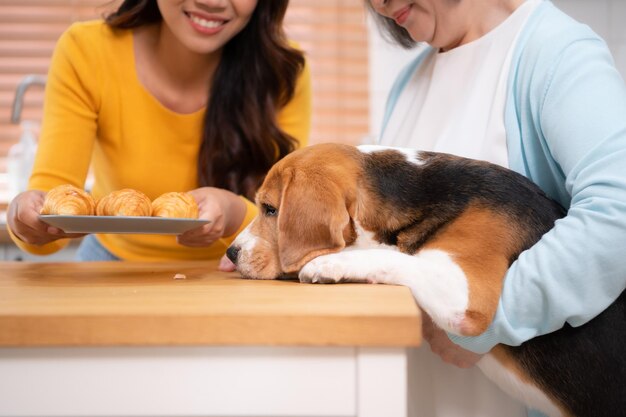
168,95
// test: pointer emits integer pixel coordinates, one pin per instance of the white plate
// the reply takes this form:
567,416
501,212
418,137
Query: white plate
122,224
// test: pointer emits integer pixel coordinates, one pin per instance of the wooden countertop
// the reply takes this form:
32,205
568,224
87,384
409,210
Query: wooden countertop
126,303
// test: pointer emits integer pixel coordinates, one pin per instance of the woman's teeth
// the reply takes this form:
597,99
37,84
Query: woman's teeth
209,24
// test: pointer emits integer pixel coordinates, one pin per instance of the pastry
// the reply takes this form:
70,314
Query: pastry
125,202
68,200
178,205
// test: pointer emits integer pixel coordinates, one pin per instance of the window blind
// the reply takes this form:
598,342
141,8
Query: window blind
331,32
28,32
333,35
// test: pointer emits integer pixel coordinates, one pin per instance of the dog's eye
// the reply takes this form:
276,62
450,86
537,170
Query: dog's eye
269,210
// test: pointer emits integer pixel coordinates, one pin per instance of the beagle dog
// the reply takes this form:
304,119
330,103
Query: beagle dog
448,228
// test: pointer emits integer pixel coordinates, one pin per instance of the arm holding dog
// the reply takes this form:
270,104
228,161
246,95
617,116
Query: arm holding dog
577,269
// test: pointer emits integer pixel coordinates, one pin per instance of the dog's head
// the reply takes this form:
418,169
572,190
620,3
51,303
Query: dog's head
306,206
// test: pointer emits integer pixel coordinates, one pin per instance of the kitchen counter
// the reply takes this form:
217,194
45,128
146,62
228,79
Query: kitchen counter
135,339
112,303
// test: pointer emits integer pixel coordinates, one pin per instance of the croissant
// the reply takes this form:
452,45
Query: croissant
179,205
68,200
125,202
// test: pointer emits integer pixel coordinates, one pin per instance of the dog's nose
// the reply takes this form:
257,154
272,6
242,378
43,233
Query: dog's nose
232,252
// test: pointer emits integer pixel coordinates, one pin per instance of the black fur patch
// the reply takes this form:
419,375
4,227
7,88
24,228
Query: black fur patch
442,187
583,367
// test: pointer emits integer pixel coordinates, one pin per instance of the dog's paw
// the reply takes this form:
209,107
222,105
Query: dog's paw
333,268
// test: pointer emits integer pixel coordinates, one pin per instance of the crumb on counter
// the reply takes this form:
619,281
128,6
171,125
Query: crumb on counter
180,276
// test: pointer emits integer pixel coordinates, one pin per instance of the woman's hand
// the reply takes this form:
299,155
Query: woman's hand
23,220
441,345
226,211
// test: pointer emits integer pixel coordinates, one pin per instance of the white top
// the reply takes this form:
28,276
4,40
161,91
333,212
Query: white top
458,107
454,102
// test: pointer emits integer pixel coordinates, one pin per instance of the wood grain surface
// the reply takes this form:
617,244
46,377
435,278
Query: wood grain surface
133,303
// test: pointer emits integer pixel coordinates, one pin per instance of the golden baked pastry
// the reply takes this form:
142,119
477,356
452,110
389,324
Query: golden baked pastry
69,201
178,205
125,202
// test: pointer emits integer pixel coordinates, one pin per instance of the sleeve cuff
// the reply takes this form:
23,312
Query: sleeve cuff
480,344
42,250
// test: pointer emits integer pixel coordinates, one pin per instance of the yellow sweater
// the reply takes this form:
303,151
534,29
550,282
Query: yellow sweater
97,112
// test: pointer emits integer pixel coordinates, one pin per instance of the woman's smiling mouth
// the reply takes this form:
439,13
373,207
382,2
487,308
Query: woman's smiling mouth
205,25
401,15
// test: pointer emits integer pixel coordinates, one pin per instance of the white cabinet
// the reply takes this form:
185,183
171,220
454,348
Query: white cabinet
204,381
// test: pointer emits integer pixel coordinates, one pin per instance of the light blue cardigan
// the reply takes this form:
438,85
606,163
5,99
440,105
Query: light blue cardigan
565,121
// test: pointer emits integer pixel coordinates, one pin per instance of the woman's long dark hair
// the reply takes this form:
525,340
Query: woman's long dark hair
256,76
390,29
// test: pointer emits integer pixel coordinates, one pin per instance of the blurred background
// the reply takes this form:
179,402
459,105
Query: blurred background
352,67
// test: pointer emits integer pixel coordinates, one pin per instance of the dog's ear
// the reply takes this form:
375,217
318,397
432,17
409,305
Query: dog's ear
311,220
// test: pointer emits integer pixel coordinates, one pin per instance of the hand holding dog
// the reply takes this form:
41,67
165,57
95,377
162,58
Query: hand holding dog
441,345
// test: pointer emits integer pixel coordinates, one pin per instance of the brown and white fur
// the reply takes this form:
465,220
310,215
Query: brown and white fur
444,226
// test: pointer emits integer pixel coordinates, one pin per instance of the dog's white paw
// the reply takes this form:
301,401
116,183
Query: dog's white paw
334,268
